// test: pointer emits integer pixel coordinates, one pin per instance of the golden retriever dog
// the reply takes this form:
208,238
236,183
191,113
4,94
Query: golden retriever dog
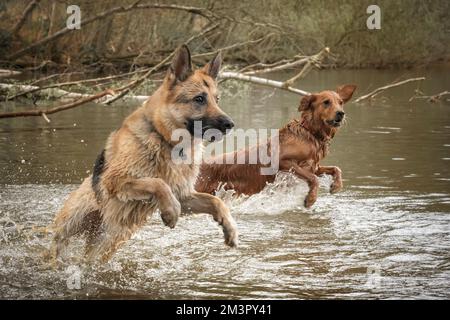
303,143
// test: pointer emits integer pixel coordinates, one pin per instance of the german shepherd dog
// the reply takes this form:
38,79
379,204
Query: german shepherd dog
303,143
135,174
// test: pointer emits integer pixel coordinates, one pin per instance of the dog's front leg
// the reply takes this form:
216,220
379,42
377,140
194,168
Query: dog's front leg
206,203
336,186
145,188
310,178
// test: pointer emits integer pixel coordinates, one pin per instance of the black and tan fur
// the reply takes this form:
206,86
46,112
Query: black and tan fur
135,175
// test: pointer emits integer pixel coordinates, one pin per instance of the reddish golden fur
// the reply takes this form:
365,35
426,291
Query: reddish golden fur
303,144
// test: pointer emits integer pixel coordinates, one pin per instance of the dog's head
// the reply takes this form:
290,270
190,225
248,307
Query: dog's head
327,107
192,96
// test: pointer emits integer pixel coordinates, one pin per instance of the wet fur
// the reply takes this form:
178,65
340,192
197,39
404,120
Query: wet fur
303,142
134,174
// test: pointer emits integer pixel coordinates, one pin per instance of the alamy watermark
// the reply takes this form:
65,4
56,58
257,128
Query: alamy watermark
374,20
74,20
265,152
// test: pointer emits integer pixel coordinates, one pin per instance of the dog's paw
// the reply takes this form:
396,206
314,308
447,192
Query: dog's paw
335,187
170,214
231,234
310,199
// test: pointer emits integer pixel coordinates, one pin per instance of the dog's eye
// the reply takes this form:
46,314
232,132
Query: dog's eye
200,99
326,103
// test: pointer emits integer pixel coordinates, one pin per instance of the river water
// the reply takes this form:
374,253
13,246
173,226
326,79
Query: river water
386,235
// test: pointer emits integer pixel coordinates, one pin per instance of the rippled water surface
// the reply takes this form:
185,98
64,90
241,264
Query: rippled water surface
386,235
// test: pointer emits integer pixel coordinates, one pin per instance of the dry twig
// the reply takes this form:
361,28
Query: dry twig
135,6
389,86
24,16
434,98
261,81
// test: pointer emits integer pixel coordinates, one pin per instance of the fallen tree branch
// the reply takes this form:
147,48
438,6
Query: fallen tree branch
434,98
32,89
225,75
378,90
45,112
56,93
4,73
314,60
288,65
84,98
261,65
114,93
55,75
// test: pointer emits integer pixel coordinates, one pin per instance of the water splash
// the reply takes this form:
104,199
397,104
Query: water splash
285,251
286,193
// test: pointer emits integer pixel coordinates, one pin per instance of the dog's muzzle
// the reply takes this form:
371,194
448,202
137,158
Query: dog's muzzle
337,121
198,127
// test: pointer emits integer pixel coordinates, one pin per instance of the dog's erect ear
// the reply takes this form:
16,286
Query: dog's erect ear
346,91
306,102
213,67
181,66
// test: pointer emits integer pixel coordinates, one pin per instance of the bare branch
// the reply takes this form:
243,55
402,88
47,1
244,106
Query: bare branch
194,10
434,98
261,81
233,46
291,64
4,73
56,93
314,60
115,93
39,113
378,90
33,89
46,118
261,65
24,16
135,83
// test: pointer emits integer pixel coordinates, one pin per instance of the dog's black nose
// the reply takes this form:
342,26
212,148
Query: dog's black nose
226,123
340,115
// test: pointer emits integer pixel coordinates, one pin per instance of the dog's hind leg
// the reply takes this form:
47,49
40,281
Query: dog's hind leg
121,215
71,220
92,230
107,241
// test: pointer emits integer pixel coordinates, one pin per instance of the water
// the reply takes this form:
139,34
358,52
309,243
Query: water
387,235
